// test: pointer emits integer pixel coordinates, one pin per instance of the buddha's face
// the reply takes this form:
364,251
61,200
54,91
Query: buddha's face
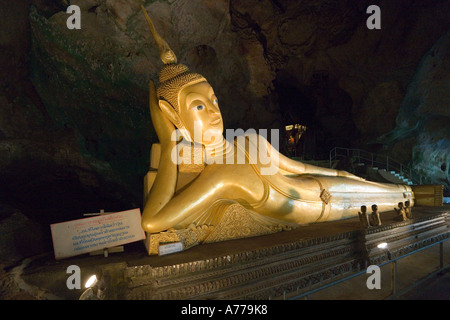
200,113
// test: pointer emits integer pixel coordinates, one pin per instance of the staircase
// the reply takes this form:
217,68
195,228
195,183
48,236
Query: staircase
393,176
375,166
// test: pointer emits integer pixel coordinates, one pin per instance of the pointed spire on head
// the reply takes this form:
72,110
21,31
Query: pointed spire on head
174,76
165,53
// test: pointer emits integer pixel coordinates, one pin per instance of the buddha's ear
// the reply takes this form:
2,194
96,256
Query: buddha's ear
170,113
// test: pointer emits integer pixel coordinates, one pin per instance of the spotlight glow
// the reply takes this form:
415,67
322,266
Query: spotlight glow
382,245
91,281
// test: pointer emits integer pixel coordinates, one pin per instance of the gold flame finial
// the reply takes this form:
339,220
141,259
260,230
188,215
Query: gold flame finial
165,53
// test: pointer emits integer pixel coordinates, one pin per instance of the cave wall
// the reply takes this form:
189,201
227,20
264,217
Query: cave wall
353,78
75,131
422,133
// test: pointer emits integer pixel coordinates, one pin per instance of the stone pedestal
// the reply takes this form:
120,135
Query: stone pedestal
281,264
272,266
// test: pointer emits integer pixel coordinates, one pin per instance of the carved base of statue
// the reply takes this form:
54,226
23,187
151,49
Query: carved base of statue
275,266
279,265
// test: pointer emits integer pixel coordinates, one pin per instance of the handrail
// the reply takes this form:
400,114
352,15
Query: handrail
377,160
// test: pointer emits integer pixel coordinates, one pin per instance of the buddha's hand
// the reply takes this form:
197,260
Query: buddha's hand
342,173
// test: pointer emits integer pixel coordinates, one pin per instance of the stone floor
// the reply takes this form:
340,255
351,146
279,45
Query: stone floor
436,288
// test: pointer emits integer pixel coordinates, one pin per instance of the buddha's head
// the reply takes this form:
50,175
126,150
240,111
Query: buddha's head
186,98
189,102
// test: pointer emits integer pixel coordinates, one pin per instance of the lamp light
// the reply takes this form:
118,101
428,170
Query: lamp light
91,281
382,245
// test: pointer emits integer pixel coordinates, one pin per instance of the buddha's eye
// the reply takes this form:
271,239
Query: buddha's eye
216,102
200,107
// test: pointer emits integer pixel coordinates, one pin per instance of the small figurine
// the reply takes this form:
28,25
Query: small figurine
408,209
401,214
375,216
364,217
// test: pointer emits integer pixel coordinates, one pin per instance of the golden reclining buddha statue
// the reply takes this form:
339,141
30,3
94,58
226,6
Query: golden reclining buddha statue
219,196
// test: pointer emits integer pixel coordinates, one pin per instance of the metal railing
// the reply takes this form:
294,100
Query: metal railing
377,161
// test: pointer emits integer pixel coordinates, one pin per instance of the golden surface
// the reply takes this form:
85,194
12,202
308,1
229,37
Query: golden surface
233,200
429,195
236,222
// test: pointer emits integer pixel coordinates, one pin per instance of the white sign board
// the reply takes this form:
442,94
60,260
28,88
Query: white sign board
170,248
81,236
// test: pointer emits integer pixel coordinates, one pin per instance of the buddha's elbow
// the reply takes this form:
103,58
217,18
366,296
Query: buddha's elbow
150,226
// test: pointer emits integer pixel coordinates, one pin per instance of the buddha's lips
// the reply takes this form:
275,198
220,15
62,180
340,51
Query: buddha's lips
215,121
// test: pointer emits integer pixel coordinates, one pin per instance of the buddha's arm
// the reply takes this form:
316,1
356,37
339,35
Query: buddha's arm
190,203
216,182
295,167
164,186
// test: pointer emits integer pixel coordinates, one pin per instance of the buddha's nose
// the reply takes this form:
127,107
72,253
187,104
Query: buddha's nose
213,110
